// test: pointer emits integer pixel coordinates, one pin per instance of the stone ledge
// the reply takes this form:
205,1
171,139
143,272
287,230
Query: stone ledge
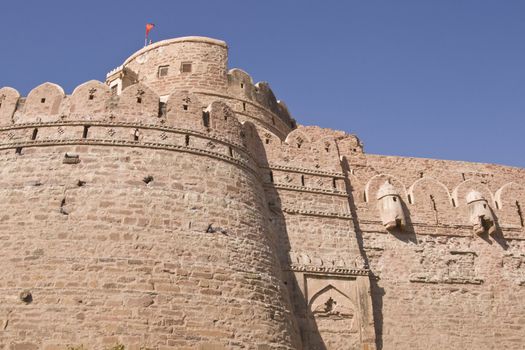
307,189
317,213
305,171
330,270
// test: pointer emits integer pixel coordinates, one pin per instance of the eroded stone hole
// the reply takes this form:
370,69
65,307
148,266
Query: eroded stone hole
26,296
139,99
216,229
81,183
18,151
148,179
62,209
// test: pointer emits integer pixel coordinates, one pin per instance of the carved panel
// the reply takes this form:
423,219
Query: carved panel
441,266
332,316
514,267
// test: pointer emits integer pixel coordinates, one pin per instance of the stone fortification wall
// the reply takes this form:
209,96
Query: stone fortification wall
437,283
122,225
161,67
187,210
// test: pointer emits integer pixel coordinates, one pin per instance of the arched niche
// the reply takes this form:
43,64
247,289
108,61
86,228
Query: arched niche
431,202
373,185
8,102
138,103
43,103
297,139
510,199
459,194
459,198
331,310
90,101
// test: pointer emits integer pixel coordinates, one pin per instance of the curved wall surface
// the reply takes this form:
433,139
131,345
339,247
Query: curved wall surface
144,235
188,211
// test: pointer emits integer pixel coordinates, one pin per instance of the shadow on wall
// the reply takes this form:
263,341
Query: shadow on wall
308,332
377,292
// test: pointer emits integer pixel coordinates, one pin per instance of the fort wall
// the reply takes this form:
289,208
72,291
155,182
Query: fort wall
189,211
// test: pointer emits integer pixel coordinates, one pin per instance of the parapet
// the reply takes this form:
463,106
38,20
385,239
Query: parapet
199,65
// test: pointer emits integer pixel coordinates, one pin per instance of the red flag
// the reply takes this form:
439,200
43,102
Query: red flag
149,27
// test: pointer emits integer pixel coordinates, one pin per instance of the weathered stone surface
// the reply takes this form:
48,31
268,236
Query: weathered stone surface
186,210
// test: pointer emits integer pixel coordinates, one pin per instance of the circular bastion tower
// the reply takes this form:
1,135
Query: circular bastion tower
133,211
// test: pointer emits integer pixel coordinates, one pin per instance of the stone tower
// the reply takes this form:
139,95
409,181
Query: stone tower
179,206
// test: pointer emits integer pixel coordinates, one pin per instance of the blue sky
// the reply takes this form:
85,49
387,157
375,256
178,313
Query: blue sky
438,79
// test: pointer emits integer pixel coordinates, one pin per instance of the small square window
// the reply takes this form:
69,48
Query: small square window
114,90
163,71
42,100
185,67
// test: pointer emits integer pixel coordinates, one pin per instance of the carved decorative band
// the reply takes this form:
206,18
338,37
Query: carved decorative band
307,189
330,270
455,280
317,213
126,143
209,136
306,171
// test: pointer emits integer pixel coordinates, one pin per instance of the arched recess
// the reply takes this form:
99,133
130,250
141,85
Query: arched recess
511,203
297,139
138,103
459,194
90,101
43,103
373,185
459,197
431,202
330,310
8,102
184,110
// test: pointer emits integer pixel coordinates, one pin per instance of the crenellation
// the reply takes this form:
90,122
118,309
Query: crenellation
90,101
179,205
9,98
